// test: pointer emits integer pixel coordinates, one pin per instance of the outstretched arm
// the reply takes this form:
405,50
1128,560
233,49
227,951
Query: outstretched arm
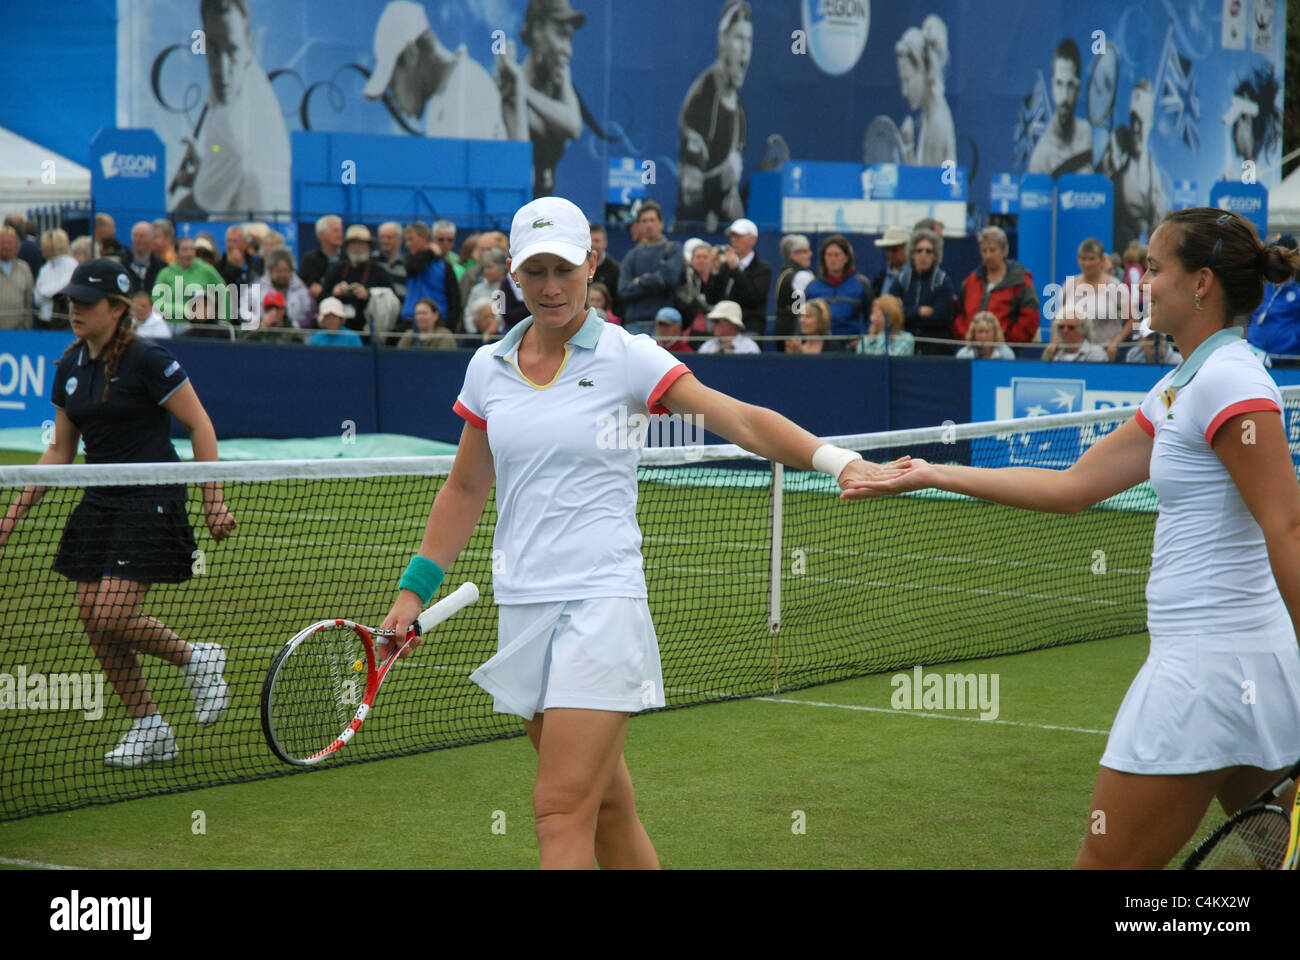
759,430
1112,465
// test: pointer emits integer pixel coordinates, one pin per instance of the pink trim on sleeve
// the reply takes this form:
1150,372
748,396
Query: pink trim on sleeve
469,415
1254,405
1145,424
666,381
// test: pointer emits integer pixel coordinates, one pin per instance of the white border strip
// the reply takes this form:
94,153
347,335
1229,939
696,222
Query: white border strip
933,716
37,865
113,474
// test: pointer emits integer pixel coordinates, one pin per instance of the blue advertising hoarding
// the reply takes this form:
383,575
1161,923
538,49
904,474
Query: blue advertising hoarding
1004,193
128,172
815,196
1248,199
27,362
1005,390
1035,228
1084,209
696,88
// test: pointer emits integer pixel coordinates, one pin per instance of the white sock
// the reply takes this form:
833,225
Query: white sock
153,720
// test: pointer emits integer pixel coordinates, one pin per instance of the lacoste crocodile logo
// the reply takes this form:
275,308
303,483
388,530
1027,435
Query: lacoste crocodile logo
584,382
538,224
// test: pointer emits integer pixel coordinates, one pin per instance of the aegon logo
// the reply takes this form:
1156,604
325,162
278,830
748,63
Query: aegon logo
1082,199
837,32
1030,200
128,164
1241,204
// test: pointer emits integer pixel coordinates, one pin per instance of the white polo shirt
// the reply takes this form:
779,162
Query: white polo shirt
566,454
1210,572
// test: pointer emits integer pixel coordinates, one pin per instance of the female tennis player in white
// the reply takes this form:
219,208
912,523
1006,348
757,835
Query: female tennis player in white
577,652
1215,710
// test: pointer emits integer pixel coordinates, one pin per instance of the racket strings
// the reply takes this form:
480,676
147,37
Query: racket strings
317,690
1257,842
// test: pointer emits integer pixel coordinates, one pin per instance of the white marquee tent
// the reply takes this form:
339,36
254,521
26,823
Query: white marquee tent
31,175
1284,205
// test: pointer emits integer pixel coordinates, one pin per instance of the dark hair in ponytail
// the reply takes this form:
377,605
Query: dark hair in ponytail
116,347
1228,245
1278,264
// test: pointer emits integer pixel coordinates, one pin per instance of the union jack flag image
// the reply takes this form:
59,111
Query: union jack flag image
1176,91
1035,113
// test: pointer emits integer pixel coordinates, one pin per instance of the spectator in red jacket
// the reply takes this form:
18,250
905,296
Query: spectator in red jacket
1002,287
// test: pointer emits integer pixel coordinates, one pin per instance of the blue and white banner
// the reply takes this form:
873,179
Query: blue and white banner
865,198
128,173
1147,93
27,362
1004,194
1084,210
1035,228
1248,199
1185,194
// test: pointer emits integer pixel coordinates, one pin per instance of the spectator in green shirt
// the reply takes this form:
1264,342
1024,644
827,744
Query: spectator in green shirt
189,272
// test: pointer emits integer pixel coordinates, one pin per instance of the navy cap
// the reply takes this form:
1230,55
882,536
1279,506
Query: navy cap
96,279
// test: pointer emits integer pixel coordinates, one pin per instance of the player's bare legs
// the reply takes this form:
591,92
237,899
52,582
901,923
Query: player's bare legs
109,611
583,803
1147,818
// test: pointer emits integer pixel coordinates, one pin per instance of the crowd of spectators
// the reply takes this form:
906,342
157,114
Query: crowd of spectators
411,287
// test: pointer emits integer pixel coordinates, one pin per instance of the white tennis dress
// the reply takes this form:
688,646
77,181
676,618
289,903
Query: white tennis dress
1221,685
575,629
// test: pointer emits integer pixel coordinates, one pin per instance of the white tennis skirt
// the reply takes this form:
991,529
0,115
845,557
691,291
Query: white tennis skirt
598,654
1208,702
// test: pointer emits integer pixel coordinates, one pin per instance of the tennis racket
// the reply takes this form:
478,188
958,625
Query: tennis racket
322,684
1254,838
1292,861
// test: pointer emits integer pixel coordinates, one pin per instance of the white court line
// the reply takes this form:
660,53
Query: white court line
37,865
934,716
1084,566
921,587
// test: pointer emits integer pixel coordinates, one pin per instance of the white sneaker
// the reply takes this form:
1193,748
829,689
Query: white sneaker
143,744
203,676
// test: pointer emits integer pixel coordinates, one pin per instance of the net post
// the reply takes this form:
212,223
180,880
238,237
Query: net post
774,578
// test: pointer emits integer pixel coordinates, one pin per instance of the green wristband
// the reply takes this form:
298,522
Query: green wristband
423,577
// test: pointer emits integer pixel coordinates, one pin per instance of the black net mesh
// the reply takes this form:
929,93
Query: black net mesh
863,587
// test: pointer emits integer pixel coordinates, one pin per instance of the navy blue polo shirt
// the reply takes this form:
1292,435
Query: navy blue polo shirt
130,425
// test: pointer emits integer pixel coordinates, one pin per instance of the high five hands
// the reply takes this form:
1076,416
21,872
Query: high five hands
862,479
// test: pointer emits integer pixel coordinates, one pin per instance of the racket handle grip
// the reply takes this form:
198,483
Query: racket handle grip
453,603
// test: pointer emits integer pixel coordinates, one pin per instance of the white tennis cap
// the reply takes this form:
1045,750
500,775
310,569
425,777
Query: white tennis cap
549,225
401,22
332,306
743,228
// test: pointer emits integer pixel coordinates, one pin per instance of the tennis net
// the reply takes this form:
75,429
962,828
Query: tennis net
760,579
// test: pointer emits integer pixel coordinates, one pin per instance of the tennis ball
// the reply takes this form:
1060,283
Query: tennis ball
359,666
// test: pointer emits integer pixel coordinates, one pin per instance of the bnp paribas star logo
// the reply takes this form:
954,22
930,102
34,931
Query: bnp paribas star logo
538,224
